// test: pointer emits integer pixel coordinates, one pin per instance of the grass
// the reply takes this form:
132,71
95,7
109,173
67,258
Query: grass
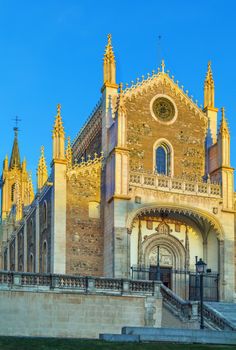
14,343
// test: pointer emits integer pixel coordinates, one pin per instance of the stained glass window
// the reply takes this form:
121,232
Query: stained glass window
163,159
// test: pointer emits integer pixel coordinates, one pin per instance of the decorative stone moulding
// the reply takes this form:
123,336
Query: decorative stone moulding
169,114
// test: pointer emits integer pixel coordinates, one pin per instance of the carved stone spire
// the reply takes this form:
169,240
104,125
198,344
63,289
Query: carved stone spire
28,190
58,136
224,129
209,89
15,154
69,154
42,173
109,64
5,163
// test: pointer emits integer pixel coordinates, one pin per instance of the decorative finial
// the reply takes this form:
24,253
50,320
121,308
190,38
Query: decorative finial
209,88
109,39
121,87
223,112
58,109
163,66
42,150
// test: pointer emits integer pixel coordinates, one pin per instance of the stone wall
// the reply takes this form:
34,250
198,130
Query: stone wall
84,240
55,313
186,134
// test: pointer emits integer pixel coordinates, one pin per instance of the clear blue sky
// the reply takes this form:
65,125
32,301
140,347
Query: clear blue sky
51,51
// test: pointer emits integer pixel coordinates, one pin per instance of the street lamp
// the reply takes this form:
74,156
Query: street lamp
158,264
200,268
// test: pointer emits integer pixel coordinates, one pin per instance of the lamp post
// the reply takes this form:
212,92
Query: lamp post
158,264
200,268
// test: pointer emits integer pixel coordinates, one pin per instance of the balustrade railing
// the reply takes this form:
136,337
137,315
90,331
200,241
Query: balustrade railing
141,286
185,310
82,284
216,320
6,277
167,183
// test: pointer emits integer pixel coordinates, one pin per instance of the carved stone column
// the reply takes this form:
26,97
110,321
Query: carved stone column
204,247
139,244
221,269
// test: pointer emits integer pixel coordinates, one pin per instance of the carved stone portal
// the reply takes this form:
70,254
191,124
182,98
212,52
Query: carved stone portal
165,257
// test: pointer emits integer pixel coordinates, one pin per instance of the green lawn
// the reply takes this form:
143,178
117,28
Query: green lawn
11,343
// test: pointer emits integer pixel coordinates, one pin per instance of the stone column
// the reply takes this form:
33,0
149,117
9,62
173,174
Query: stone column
221,269
8,256
37,238
204,247
58,248
25,246
16,252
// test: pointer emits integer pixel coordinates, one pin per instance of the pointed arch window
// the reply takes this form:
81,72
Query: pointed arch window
163,159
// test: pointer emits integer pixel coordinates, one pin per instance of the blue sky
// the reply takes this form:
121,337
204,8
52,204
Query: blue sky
51,52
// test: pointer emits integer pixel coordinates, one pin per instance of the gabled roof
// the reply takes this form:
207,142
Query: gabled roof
162,77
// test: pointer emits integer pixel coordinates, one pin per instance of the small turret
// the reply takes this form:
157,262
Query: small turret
42,173
209,103
224,141
109,64
24,165
209,89
58,137
5,164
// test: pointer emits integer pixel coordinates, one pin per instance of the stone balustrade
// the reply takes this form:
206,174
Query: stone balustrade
177,185
83,284
185,310
216,321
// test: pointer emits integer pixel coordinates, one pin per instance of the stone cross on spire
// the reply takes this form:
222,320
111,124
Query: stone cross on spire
163,66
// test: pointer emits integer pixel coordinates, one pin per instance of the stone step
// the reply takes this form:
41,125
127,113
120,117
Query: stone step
147,334
119,337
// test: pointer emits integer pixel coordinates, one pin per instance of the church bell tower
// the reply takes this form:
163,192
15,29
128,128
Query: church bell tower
16,183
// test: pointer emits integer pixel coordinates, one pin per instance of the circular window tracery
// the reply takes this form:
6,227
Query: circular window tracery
163,109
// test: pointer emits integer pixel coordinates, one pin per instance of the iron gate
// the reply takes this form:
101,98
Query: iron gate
210,287
171,277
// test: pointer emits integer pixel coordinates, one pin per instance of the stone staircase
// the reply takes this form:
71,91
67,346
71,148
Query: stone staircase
220,315
179,313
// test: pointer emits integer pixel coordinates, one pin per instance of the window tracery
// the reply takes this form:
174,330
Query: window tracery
163,159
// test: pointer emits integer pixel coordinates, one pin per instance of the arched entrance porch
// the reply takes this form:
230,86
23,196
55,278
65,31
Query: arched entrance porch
181,234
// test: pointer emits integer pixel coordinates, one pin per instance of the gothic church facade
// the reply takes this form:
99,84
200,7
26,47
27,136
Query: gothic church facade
148,174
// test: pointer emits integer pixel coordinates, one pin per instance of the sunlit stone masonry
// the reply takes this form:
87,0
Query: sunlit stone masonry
148,175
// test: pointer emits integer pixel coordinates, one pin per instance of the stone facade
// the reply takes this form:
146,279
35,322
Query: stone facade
148,173
84,227
187,134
